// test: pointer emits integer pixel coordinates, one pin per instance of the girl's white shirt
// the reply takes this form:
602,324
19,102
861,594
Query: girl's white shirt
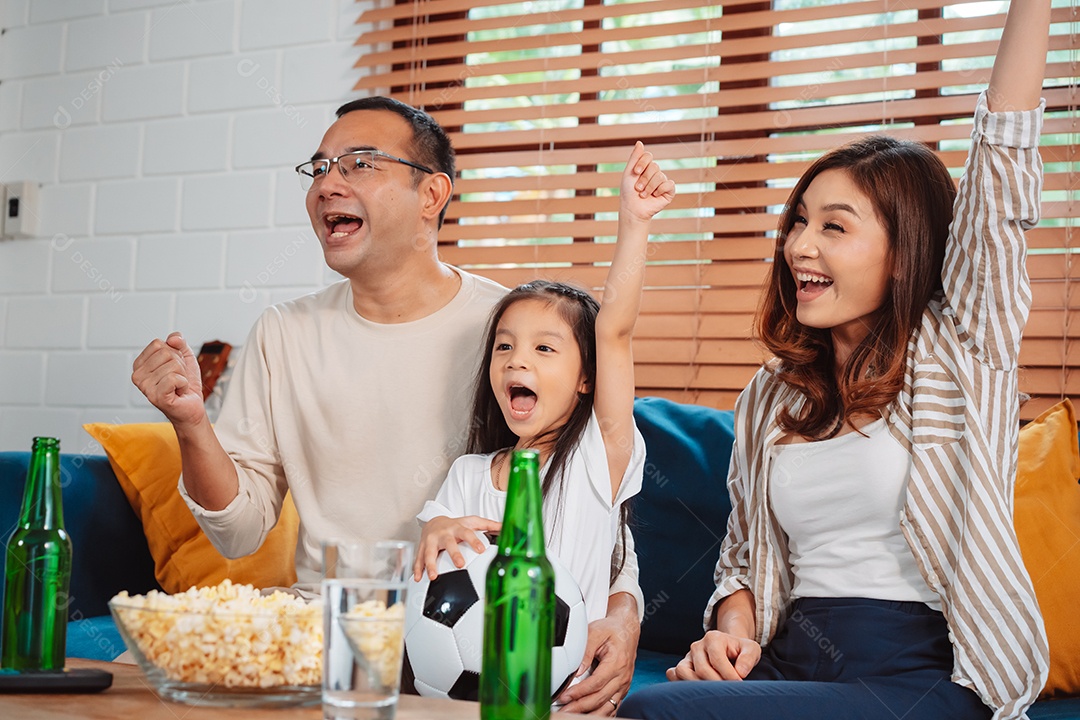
581,523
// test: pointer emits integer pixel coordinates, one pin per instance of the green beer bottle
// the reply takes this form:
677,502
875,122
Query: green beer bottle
38,570
519,605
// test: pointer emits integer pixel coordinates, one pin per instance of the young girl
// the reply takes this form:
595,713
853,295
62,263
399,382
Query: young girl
870,569
558,376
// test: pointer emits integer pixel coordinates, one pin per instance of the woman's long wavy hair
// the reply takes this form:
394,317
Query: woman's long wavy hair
489,432
912,194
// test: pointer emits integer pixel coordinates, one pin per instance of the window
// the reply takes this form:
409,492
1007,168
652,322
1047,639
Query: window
544,99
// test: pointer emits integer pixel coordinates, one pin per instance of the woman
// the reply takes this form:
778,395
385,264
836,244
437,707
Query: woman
870,569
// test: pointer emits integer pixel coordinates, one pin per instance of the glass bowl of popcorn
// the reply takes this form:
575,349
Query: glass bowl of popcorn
227,645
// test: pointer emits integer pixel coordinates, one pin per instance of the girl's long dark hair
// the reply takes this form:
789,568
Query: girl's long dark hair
912,194
489,432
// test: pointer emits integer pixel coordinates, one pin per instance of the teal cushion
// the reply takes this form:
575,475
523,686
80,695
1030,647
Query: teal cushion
651,668
680,516
1058,709
94,638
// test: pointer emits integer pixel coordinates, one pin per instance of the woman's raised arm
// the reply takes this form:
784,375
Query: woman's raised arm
1016,81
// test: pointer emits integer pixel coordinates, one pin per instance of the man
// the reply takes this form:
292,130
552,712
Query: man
356,398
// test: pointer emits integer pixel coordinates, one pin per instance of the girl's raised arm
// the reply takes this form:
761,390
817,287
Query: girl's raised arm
1016,81
643,192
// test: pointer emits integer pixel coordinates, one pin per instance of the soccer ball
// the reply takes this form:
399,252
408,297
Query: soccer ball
444,628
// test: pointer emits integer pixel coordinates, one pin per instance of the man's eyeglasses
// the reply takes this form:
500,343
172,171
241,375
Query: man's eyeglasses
353,166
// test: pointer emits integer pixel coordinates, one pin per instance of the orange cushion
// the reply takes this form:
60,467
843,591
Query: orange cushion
146,460
1047,520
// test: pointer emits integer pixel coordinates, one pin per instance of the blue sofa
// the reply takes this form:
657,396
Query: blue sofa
679,519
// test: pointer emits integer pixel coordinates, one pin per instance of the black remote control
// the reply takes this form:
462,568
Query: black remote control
54,681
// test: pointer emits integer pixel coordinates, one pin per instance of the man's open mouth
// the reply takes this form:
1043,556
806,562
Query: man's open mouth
341,225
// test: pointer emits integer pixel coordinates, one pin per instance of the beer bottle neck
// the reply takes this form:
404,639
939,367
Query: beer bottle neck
42,506
522,531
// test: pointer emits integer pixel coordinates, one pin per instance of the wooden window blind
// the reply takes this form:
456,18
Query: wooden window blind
543,100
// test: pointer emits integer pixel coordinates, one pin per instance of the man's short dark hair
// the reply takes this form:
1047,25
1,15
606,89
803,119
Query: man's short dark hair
431,146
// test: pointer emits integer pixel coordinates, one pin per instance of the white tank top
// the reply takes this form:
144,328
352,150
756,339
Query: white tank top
839,502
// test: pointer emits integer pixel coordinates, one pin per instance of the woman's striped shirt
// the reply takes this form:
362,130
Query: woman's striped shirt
958,415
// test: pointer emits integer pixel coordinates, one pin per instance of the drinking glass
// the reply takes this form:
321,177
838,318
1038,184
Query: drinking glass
363,587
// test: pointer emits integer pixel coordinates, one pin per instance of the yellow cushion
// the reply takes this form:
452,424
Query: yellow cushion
1047,520
146,460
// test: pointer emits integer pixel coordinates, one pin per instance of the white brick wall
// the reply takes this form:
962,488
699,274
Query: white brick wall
22,377
279,23
57,101
46,323
226,201
95,265
31,50
65,210
99,41
87,378
19,425
179,262
269,259
118,5
136,206
126,320
277,138
162,135
10,103
144,92
99,152
44,12
14,13
289,206
234,82
24,266
306,77
190,30
29,155
196,144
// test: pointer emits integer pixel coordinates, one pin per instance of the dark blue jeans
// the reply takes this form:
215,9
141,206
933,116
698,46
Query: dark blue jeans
833,659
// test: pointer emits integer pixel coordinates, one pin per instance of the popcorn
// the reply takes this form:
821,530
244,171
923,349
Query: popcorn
375,631
228,635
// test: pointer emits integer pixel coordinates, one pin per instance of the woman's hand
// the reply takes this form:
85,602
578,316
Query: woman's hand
444,533
717,656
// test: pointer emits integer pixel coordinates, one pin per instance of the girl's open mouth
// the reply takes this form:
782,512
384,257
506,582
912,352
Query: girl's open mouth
522,399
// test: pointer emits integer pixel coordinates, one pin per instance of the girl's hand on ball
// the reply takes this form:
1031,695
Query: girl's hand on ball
444,533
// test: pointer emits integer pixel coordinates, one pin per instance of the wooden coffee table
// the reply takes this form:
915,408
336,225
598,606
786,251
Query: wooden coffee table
130,698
